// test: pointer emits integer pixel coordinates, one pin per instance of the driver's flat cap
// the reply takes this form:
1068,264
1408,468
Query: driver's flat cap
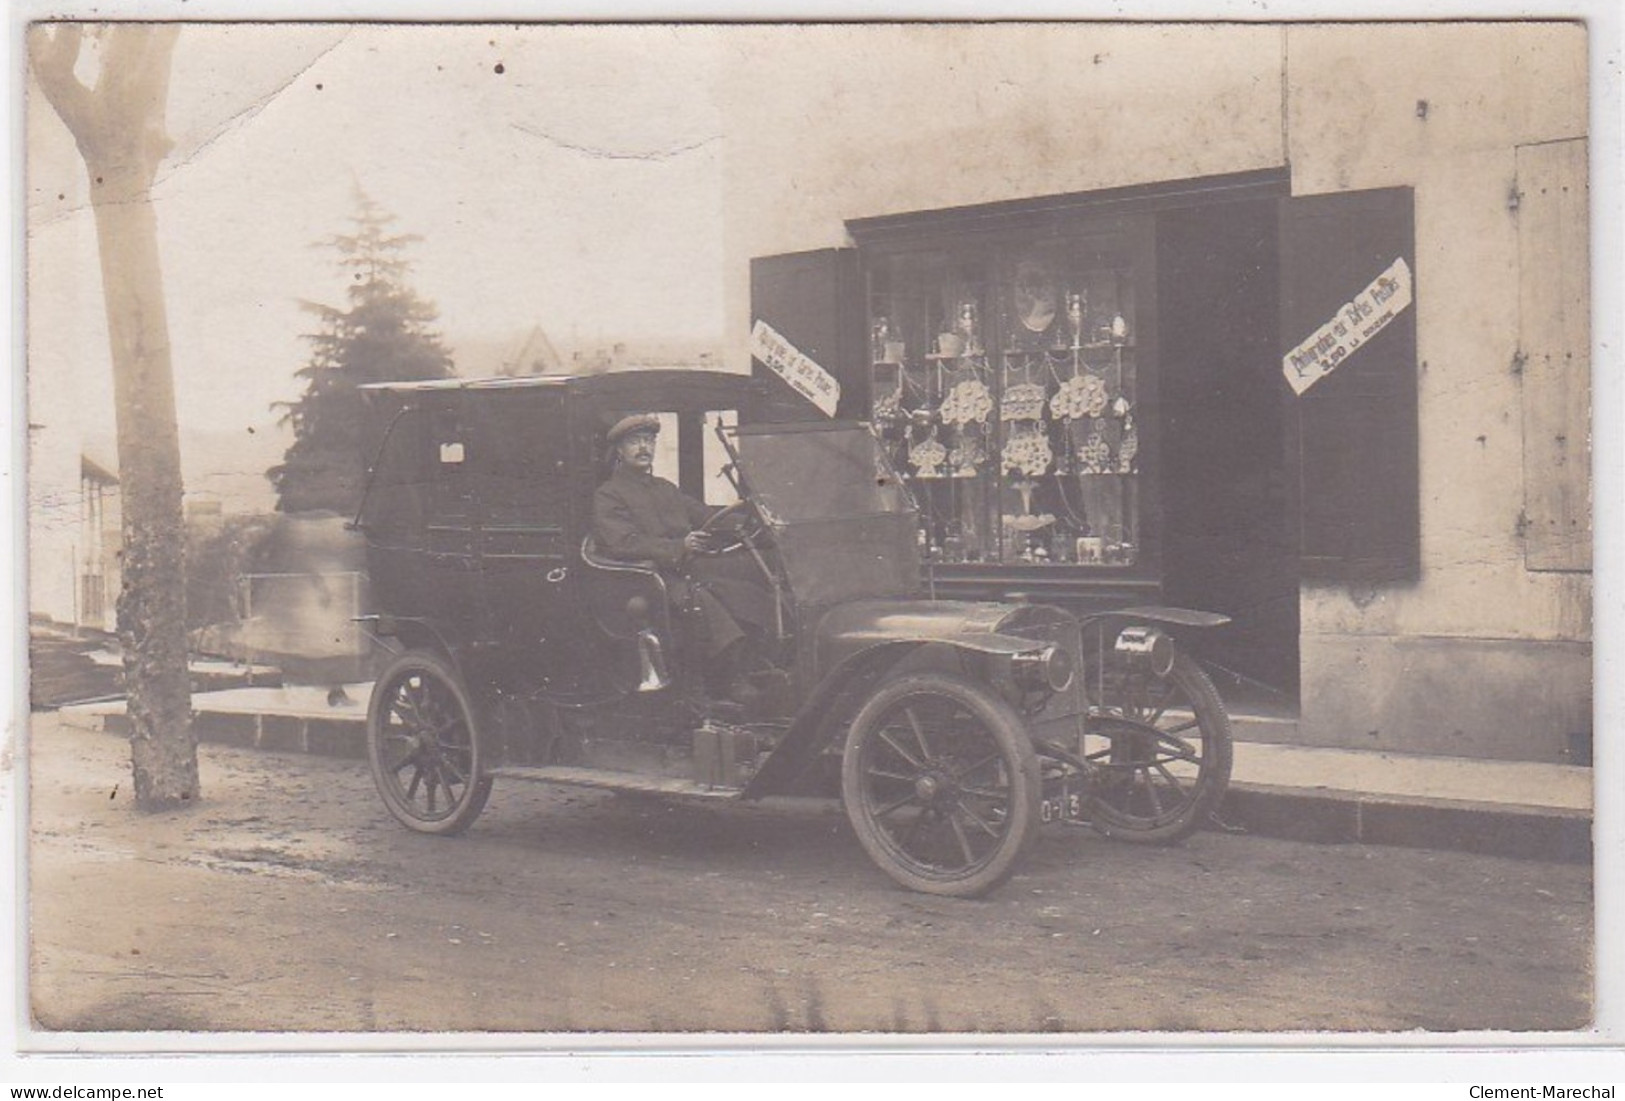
635,422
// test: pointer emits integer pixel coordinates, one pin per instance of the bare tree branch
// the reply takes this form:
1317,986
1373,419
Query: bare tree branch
56,52
142,90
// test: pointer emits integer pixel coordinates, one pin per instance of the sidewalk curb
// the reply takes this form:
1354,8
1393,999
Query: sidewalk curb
1325,816
337,737
1319,815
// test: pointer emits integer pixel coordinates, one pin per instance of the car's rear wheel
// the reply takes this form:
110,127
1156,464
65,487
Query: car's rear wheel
941,784
1163,748
426,745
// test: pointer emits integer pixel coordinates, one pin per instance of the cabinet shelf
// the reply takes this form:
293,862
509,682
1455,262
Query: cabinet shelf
1050,349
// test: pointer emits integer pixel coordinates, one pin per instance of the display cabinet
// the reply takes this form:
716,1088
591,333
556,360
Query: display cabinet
1012,383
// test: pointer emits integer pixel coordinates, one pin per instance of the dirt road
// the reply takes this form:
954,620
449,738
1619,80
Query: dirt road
289,900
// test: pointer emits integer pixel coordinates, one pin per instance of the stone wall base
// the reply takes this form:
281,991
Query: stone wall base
1505,699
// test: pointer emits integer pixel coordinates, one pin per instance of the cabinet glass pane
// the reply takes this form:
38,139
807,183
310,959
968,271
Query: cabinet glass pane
1005,386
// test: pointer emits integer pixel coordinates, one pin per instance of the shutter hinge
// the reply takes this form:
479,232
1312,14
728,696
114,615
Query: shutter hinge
1523,525
1519,359
1514,198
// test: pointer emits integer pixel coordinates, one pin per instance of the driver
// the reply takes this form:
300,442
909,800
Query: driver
637,516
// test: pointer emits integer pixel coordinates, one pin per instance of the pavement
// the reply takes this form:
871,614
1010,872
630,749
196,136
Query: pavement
1504,808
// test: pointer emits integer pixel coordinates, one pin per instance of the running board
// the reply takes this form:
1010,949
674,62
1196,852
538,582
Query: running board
614,781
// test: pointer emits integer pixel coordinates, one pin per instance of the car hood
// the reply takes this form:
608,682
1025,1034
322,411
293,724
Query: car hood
984,627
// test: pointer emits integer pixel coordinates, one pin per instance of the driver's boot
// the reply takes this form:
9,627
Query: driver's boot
727,679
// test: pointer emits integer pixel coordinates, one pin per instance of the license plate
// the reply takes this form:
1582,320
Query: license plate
1063,805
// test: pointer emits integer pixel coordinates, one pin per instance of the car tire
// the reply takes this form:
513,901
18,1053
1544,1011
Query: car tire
426,745
1161,773
941,784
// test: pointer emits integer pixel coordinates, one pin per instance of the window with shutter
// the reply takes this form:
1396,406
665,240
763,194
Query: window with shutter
1554,322
1348,324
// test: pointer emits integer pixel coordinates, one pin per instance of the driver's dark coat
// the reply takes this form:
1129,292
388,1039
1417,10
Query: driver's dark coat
637,516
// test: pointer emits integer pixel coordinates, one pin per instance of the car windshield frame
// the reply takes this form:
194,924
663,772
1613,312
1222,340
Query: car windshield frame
843,522
825,471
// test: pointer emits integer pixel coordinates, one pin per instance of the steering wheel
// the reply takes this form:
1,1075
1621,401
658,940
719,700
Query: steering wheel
744,536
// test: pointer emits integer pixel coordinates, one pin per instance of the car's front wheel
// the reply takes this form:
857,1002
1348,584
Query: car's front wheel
941,784
1162,746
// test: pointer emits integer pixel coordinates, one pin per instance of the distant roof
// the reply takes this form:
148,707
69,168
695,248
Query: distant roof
96,472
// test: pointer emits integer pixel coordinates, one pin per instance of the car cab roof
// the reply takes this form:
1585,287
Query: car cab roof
651,388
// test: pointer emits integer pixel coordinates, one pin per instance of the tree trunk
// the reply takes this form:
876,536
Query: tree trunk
152,603
118,126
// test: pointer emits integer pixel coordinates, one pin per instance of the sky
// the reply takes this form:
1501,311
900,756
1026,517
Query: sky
565,176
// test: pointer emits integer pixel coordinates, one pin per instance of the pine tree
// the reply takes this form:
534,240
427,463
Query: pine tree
385,335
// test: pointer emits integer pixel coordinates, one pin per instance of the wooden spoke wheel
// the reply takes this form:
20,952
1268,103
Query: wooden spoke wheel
1163,749
941,784
425,743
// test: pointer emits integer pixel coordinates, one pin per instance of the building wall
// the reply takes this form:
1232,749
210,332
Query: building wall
1482,655
56,541
109,550
74,530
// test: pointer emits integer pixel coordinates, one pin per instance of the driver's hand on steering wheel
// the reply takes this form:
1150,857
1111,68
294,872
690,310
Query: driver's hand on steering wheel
697,542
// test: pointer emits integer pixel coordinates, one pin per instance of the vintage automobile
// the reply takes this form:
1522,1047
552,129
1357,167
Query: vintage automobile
951,730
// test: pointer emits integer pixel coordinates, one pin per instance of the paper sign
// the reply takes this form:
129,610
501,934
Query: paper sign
1354,323
800,373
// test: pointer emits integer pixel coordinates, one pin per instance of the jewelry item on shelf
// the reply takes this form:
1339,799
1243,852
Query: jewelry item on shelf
1119,329
889,407
1034,296
1077,305
1027,521
969,402
879,337
1094,455
1129,448
1121,407
1061,546
1082,395
1023,402
967,455
1028,452
967,328
928,456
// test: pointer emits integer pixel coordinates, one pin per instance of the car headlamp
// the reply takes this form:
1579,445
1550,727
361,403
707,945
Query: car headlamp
1049,669
1146,648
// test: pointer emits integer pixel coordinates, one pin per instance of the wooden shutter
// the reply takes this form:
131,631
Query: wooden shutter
1352,435
815,301
1554,322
